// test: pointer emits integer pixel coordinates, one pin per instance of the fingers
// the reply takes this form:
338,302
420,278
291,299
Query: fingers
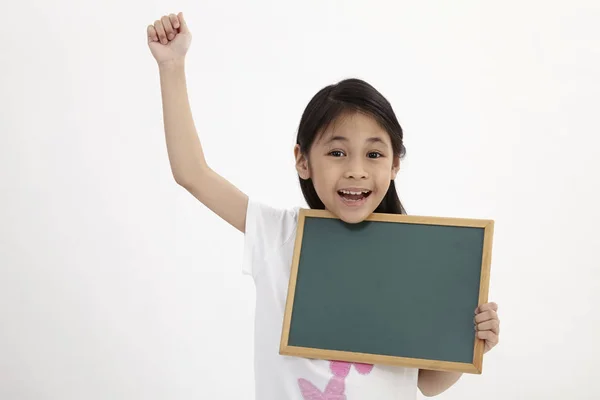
487,324
152,35
160,31
166,21
490,337
174,22
183,24
493,325
486,316
486,312
166,28
486,307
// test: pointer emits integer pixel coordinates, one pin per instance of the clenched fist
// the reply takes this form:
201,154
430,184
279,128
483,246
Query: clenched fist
169,39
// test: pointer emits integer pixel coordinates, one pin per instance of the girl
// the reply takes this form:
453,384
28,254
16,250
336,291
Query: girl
347,153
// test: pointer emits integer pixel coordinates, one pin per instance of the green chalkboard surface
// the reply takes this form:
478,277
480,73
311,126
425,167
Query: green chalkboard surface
394,289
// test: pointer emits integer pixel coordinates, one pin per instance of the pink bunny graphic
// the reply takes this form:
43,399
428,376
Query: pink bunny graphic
333,391
342,369
336,387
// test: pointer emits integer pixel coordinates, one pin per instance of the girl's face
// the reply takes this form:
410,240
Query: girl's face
351,165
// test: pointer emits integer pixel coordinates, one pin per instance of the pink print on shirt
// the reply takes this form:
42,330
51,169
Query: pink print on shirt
336,387
340,368
333,391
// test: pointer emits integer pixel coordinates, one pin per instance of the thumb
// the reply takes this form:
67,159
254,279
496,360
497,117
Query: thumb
183,28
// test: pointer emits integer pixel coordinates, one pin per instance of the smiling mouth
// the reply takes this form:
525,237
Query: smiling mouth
351,196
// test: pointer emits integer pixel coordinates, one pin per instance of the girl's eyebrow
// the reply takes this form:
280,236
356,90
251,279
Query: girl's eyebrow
373,139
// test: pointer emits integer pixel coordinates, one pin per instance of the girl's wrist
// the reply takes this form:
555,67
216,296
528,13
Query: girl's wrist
169,65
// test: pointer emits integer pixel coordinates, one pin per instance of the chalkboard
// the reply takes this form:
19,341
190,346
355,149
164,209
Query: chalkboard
393,289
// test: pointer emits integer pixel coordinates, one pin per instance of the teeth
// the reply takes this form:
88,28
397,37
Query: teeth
354,193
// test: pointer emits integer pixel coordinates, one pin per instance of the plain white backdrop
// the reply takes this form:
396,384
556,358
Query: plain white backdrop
115,283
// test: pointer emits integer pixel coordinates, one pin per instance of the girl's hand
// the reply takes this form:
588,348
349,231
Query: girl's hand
487,324
169,39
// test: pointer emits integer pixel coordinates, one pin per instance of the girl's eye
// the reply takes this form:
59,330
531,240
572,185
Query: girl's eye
374,154
336,153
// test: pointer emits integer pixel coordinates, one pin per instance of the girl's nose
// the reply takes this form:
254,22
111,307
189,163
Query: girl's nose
356,171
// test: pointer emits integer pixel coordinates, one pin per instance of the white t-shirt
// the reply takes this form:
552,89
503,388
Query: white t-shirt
268,248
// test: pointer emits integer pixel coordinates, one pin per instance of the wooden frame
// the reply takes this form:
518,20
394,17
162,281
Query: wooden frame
475,367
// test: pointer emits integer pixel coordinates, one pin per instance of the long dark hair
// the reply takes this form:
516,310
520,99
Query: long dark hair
331,102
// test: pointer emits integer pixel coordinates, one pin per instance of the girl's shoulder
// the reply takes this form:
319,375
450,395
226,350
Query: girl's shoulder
270,223
268,229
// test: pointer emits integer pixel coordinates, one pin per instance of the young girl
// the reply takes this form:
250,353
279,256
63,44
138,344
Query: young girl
347,152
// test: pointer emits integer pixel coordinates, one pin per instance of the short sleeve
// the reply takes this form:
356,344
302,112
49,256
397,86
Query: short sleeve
267,229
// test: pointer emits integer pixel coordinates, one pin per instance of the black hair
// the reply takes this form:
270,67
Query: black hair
349,95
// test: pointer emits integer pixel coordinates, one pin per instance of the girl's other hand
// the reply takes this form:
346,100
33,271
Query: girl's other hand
487,324
169,39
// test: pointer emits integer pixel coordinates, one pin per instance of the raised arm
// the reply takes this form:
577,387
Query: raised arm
169,39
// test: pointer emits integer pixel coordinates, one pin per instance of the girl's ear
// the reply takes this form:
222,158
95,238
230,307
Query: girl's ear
301,163
395,167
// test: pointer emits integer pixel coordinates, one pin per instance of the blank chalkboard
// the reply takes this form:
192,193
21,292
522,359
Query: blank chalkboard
393,289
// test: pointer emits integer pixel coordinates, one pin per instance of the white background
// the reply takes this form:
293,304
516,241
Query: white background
115,283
